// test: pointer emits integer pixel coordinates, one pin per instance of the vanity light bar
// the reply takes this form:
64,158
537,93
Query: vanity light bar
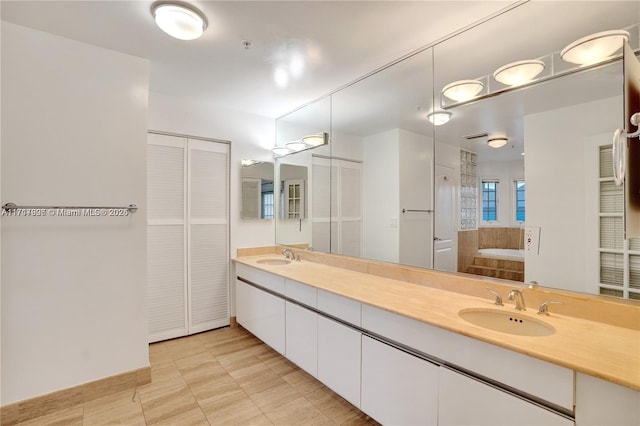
304,144
548,67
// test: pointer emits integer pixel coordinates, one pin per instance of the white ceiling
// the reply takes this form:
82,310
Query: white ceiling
341,40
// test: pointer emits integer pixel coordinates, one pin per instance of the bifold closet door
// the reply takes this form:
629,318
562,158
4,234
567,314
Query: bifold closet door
208,235
166,237
187,236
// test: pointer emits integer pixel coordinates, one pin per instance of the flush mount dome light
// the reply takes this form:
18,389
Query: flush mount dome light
315,140
438,118
498,142
519,72
462,90
594,48
179,21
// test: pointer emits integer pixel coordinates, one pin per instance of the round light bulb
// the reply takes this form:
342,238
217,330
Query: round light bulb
462,90
439,118
519,72
594,48
179,22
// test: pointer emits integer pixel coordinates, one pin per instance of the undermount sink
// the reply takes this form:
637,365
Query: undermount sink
506,322
274,261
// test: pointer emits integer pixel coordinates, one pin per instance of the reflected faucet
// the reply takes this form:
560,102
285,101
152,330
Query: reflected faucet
288,254
519,298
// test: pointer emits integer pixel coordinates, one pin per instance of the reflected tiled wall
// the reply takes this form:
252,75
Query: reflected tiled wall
507,238
467,248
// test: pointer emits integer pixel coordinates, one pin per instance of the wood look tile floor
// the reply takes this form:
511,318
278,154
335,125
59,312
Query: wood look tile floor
221,377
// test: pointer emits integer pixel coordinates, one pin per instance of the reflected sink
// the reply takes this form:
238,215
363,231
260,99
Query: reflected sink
274,261
506,322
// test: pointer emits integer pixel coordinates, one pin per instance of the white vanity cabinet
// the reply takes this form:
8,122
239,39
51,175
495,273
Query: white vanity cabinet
259,311
397,387
339,345
466,401
302,326
339,359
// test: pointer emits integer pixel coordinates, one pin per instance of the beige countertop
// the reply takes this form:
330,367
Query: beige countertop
597,349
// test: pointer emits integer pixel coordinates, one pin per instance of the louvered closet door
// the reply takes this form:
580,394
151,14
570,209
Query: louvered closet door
350,208
208,236
166,237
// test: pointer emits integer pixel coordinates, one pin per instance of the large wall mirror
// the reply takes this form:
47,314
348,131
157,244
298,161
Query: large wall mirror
295,204
543,207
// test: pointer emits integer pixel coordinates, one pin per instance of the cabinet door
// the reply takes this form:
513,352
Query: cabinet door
208,236
398,388
262,314
466,401
302,337
166,237
339,359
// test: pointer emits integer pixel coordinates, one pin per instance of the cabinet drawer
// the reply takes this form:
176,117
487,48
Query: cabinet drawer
261,313
540,379
340,307
339,357
464,401
261,278
301,293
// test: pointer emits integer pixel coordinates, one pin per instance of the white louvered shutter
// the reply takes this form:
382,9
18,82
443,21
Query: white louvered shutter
166,237
208,235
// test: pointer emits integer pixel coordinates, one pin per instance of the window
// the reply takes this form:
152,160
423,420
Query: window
267,205
519,191
489,201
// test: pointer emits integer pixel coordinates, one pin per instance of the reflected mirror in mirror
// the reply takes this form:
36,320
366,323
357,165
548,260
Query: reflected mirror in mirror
293,194
543,206
258,198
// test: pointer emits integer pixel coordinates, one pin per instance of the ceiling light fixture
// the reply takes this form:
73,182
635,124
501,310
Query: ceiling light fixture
438,118
497,142
315,140
303,144
594,48
296,145
462,90
519,72
280,151
179,21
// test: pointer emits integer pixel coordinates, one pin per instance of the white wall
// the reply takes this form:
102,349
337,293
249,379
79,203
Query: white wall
416,184
251,136
380,201
73,289
561,172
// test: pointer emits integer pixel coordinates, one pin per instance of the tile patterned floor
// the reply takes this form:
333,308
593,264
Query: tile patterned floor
222,377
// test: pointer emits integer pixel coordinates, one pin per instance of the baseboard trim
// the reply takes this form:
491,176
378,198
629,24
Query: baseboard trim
32,408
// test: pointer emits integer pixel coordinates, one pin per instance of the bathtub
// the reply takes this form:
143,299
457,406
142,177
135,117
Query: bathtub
502,253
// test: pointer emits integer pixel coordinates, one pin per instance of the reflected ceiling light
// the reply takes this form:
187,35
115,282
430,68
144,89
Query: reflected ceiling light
594,48
281,77
438,118
296,145
462,90
497,142
315,140
519,72
280,150
179,21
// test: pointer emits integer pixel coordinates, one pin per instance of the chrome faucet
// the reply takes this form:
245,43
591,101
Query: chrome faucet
544,308
519,298
288,254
